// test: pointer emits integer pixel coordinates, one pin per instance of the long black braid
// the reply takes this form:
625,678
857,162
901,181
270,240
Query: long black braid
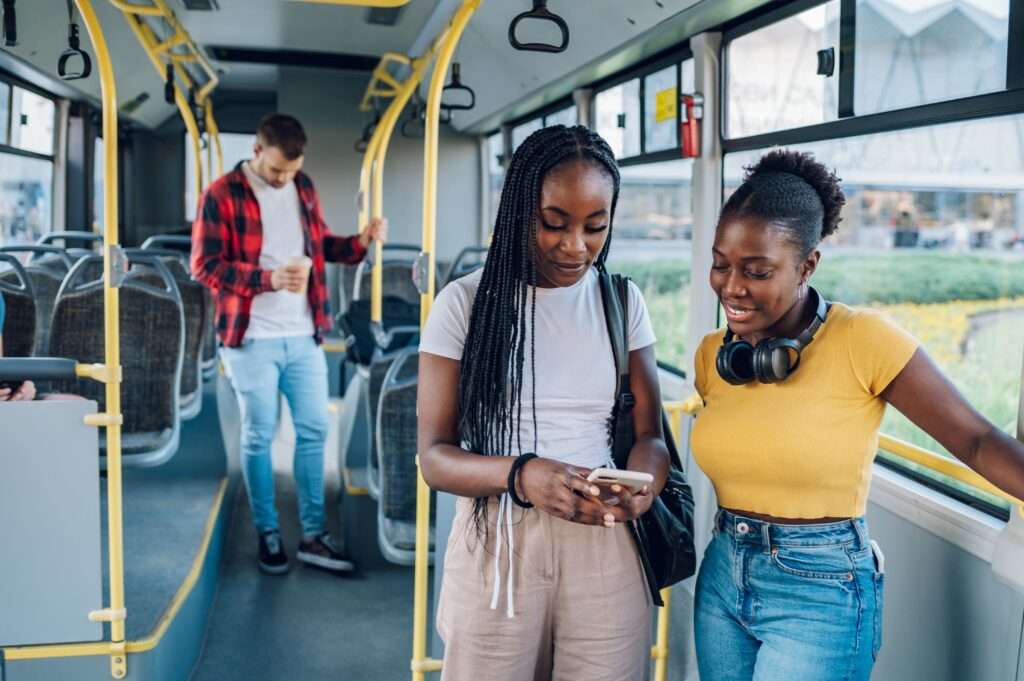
491,379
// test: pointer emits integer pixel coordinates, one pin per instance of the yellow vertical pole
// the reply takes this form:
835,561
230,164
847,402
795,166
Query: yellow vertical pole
660,651
112,354
385,128
365,199
420,664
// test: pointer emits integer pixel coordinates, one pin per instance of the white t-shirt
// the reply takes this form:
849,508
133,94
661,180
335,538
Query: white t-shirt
575,368
278,314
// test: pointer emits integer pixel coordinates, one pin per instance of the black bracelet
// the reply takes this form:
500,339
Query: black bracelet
516,465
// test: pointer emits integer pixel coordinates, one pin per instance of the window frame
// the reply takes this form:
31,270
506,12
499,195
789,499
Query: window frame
674,56
13,82
848,124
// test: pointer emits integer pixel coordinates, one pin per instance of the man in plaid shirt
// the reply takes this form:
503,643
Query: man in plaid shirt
259,243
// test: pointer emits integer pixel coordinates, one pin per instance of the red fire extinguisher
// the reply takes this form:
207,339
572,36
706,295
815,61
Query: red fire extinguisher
689,124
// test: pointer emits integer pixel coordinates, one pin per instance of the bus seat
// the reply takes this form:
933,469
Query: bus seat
468,260
152,349
396,460
194,301
47,267
19,324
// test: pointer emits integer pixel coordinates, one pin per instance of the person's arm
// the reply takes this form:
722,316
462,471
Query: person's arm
924,395
24,392
348,250
551,486
210,267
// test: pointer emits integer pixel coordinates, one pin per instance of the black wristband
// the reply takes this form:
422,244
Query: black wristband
516,465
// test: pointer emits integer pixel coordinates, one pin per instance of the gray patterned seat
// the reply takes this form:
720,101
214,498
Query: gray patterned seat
19,324
152,347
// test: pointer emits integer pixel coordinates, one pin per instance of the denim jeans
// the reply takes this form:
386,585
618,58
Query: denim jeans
788,602
296,367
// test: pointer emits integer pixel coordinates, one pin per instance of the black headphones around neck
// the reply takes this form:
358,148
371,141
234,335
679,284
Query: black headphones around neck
738,362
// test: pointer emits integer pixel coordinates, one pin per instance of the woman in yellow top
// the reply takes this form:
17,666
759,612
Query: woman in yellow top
794,391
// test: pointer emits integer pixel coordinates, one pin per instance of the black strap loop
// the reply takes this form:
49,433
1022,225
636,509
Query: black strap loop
457,86
10,24
169,84
74,50
541,12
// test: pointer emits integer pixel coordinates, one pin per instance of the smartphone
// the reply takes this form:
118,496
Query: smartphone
634,480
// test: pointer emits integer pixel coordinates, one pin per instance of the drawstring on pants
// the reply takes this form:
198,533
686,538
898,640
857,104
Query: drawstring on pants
504,511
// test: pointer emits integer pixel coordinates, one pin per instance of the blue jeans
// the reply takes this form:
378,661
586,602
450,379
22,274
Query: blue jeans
788,602
296,367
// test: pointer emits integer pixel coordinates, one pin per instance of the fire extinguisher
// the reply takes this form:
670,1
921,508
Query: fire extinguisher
689,124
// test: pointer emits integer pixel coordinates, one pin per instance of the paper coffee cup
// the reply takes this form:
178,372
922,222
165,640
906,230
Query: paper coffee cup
306,264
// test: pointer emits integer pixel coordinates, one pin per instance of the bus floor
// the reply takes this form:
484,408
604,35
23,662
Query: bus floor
308,624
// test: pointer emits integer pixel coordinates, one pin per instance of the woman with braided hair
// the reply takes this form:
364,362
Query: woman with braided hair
516,390
794,391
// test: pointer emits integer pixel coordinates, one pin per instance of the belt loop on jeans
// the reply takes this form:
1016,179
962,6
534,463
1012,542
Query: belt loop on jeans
766,536
861,532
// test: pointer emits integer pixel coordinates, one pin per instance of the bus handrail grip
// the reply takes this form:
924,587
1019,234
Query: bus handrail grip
540,12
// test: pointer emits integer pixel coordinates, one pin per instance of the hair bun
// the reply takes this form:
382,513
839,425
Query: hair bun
821,179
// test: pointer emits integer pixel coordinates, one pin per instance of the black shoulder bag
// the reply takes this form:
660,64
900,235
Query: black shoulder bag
663,535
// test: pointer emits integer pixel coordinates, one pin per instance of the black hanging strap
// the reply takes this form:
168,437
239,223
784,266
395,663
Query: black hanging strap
74,50
540,12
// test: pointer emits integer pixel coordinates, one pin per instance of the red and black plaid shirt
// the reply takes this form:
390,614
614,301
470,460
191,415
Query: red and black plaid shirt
227,237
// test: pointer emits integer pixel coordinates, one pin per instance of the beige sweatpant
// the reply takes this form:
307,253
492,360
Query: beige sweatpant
581,606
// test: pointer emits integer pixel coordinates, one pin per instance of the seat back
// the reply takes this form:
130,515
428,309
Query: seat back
396,437
72,240
152,349
47,266
193,298
19,323
468,260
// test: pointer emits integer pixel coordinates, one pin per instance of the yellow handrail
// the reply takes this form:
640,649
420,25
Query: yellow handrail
160,53
110,373
949,467
382,74
420,662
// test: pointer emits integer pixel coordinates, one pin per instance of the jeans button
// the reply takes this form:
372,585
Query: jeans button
742,528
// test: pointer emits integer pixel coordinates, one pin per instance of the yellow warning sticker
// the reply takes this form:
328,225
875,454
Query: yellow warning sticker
665,103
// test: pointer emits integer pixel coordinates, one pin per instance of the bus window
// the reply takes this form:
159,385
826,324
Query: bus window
661,109
933,235
652,245
772,82
26,201
617,115
236,146
33,118
922,55
524,130
566,116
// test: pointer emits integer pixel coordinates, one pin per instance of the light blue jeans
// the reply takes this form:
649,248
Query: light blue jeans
296,367
788,602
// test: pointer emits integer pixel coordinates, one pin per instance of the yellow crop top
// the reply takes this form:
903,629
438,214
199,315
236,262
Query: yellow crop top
801,448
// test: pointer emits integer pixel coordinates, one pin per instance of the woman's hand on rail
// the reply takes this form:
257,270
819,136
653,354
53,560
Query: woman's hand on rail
561,490
26,392
374,230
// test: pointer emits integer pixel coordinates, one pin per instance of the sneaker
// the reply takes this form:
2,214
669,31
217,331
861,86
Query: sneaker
273,560
321,553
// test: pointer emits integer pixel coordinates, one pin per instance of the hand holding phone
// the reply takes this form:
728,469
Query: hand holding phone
633,480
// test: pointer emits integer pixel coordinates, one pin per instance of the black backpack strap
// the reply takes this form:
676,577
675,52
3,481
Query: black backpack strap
615,298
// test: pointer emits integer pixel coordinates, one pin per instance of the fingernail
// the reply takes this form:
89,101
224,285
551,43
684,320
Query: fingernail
595,491
609,523
609,518
616,488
